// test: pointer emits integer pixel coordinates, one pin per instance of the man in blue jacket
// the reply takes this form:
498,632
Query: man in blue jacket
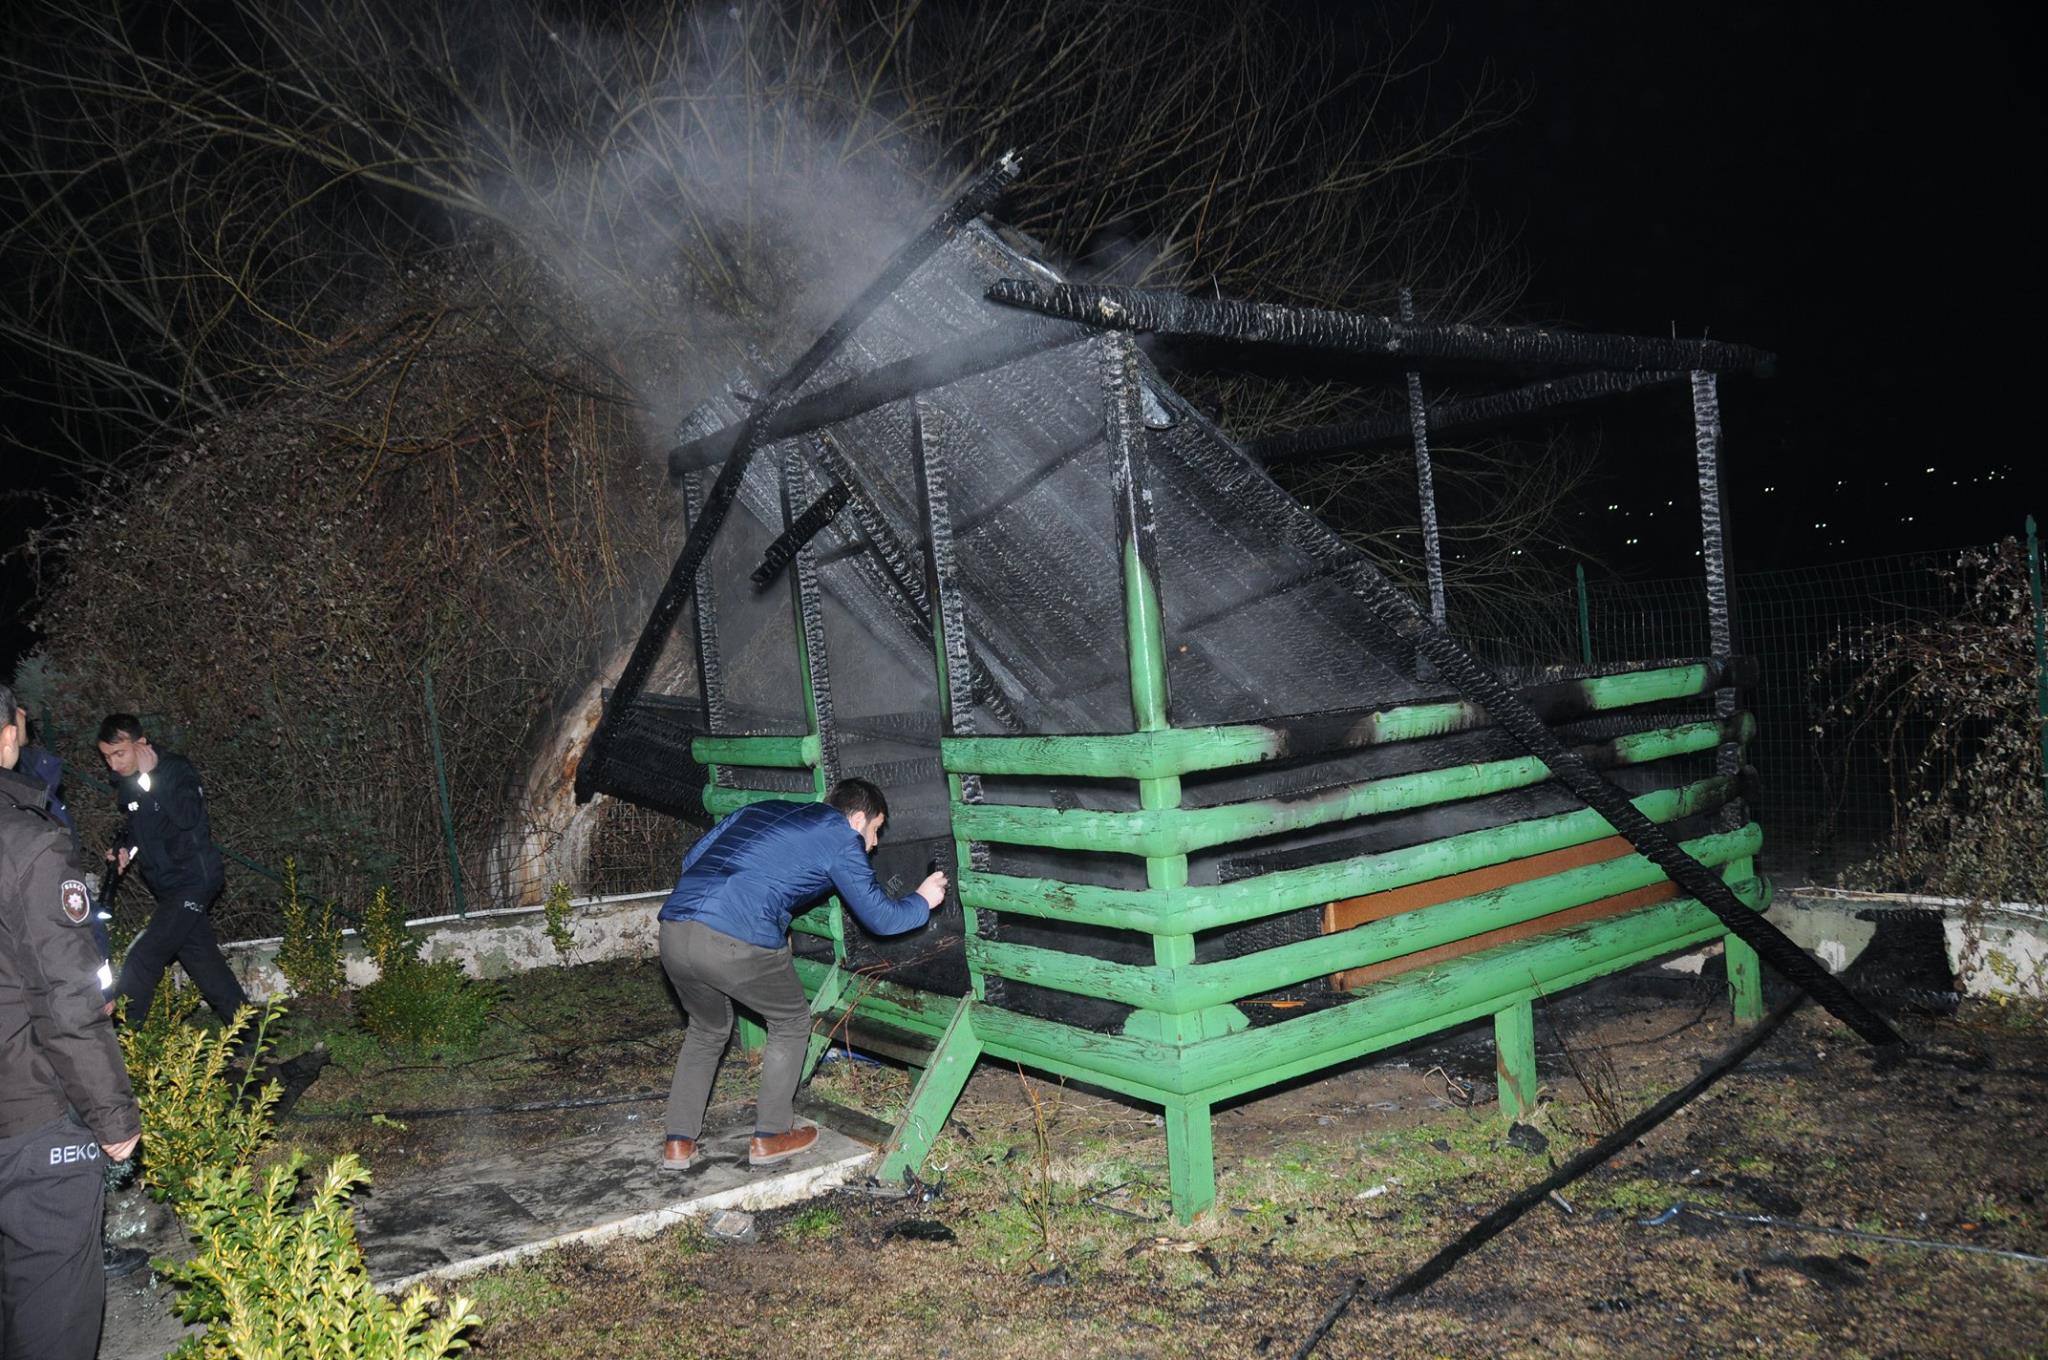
725,938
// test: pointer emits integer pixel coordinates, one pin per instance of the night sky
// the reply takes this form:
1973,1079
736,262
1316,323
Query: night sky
1816,182
1821,181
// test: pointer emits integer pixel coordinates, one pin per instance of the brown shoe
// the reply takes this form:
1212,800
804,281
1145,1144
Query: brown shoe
678,1154
769,1148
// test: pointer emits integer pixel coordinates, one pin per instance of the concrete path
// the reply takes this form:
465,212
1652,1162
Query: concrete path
443,1223
471,1217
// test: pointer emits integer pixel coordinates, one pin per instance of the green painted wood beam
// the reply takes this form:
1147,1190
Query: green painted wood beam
1418,1002
1177,831
771,753
1150,755
817,921
932,1099
891,1003
1406,1007
719,801
824,999
1191,908
1703,928
1189,987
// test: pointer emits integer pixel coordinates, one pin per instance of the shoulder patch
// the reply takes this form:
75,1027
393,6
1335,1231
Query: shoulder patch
75,900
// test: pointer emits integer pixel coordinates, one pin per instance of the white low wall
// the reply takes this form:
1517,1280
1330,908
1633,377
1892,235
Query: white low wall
1997,949
489,943
1993,950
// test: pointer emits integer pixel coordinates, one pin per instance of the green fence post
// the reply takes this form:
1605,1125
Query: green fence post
1585,617
2040,642
441,780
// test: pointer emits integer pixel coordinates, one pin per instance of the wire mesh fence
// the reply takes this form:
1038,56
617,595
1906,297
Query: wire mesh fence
1826,794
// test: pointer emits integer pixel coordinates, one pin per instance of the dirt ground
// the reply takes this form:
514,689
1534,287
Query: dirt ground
1048,1229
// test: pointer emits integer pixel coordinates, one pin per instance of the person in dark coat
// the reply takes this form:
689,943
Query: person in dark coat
66,1108
725,938
167,836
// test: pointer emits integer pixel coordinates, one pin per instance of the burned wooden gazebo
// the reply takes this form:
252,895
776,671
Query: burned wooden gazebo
1227,807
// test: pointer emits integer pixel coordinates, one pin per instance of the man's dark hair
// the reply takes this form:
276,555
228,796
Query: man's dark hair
8,704
120,726
857,795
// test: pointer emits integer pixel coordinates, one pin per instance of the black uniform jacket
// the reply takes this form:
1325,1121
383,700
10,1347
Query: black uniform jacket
167,822
56,1049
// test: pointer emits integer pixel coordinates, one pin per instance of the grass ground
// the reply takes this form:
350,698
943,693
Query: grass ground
1050,1229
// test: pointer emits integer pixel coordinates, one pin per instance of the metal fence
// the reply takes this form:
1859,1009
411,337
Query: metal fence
1826,799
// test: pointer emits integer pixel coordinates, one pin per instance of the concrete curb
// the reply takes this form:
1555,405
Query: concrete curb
767,1193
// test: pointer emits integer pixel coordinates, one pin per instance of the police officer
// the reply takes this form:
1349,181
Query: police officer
66,1108
168,835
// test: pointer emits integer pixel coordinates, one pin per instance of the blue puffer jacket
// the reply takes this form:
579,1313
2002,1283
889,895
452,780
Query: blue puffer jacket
753,871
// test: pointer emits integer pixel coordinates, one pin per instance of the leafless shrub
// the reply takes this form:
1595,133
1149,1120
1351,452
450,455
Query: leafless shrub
356,322
1951,699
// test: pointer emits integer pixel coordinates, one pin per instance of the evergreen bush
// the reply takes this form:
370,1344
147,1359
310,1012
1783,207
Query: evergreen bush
288,1285
420,1004
196,1113
557,911
415,1003
310,955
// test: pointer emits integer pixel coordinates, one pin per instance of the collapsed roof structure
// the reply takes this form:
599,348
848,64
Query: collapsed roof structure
1226,805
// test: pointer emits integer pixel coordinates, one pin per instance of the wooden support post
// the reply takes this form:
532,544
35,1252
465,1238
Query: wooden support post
823,1002
1745,982
1514,1063
953,654
752,1037
931,1100
806,603
1190,1158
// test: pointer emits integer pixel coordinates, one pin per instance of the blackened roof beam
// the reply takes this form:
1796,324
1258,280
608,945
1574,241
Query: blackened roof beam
977,198
993,348
806,527
1174,314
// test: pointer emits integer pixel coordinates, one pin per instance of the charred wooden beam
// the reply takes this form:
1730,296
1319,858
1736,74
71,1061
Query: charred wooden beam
1139,309
993,348
979,196
805,527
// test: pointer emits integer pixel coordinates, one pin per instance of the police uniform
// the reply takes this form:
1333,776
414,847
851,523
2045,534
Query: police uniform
63,1089
165,811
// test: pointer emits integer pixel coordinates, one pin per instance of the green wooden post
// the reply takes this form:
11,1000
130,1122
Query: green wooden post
1190,1154
931,1100
822,747
2040,641
1585,617
824,1001
1514,1063
441,781
1745,981
1190,1157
